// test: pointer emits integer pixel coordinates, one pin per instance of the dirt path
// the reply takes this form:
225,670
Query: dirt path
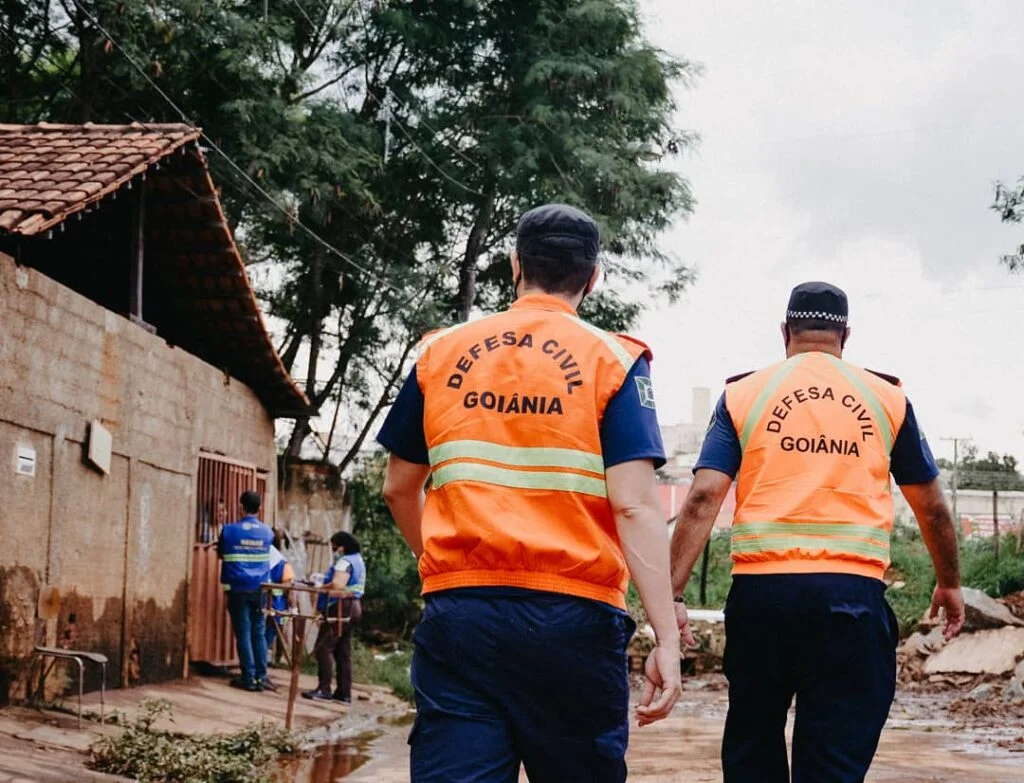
920,745
47,747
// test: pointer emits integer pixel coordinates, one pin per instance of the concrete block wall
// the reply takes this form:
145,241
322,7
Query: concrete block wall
116,546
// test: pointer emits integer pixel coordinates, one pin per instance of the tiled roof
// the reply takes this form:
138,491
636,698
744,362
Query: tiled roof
48,172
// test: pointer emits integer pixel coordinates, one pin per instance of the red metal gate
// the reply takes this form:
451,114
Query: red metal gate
219,485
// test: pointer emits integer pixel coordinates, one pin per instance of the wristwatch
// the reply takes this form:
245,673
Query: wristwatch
678,599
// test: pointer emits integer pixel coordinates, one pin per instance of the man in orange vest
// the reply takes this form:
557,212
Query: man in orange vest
540,437
811,442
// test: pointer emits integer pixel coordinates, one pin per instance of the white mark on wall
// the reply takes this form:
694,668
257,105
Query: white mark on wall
21,278
24,460
145,495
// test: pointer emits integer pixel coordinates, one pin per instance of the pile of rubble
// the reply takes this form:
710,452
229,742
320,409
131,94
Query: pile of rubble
708,626
986,661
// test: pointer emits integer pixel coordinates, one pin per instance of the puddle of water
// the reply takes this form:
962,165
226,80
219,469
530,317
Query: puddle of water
327,762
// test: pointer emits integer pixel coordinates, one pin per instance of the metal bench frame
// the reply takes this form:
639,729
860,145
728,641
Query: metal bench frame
78,656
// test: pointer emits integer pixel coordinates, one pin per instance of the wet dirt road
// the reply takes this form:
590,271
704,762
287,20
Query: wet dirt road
920,745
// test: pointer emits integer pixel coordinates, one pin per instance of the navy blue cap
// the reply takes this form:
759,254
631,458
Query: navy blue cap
557,231
820,301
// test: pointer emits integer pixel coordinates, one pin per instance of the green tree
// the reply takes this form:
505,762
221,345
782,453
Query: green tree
392,602
407,136
989,472
1009,203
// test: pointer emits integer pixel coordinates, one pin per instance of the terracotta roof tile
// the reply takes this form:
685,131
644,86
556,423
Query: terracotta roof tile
48,172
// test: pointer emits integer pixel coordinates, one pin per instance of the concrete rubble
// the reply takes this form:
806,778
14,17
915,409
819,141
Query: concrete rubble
708,626
985,663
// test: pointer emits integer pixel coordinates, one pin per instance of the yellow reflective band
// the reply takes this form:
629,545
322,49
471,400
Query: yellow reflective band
757,409
624,357
828,529
428,341
870,398
531,457
780,544
519,479
264,558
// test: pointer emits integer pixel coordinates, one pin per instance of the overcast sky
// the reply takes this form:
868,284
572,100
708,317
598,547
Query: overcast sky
855,142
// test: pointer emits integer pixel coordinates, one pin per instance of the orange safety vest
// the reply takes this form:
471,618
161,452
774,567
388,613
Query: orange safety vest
512,410
813,493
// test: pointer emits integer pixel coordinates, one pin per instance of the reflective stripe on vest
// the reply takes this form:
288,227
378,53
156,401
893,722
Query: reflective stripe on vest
237,558
506,471
813,490
781,537
518,495
757,411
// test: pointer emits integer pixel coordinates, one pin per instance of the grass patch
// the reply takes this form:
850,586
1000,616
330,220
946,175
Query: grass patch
392,671
149,755
910,565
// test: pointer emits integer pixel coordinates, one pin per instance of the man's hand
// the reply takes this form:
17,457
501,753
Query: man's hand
661,672
683,621
951,601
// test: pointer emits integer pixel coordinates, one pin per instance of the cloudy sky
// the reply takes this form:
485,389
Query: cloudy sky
855,142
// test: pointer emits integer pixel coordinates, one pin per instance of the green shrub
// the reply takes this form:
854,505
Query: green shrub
148,755
392,671
911,565
392,603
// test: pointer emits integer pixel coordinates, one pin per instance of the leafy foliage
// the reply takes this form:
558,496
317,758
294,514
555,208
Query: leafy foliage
989,472
408,136
149,755
392,601
391,670
1009,203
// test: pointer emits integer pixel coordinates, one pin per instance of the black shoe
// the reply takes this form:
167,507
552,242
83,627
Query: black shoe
268,685
342,699
254,687
240,682
317,695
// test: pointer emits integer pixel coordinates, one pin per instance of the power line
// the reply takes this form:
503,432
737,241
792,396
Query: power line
213,145
396,99
229,182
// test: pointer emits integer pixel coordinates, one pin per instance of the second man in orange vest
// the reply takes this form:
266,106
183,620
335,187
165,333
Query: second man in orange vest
811,442
540,438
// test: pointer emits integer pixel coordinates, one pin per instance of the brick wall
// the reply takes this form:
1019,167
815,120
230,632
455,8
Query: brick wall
117,546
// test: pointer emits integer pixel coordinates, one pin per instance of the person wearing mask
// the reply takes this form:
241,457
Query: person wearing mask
244,550
811,442
347,574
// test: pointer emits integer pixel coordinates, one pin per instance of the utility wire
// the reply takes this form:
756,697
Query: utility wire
396,99
214,146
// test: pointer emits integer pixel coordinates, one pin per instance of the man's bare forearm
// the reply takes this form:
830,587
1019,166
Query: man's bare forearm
693,527
936,523
694,523
407,510
642,532
940,537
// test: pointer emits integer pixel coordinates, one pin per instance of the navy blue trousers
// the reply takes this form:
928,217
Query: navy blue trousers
504,677
830,641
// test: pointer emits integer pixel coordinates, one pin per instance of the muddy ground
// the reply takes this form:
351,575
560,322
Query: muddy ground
925,742
922,744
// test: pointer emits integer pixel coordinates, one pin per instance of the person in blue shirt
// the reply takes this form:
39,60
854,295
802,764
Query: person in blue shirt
333,645
244,550
280,573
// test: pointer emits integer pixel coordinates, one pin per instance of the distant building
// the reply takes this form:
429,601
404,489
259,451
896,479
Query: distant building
682,447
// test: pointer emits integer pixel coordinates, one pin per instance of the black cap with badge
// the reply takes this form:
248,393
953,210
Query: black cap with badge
817,301
558,231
